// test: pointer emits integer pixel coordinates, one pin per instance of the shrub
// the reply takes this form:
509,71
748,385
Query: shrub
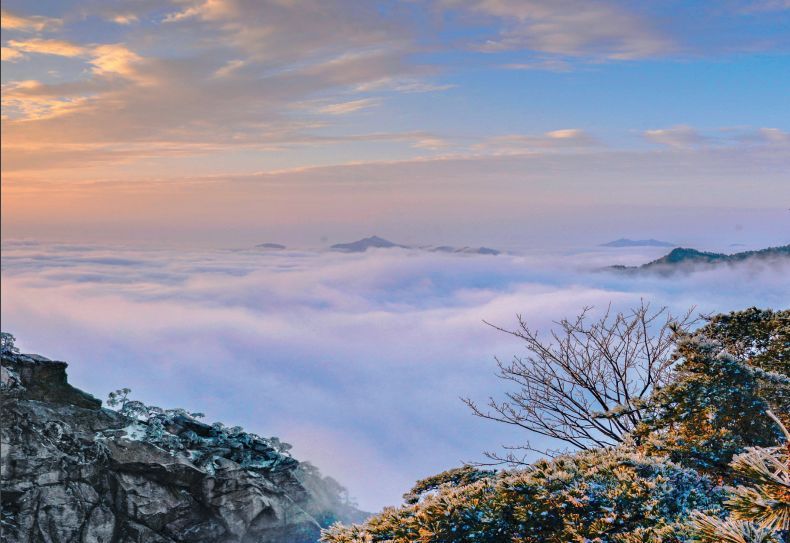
605,496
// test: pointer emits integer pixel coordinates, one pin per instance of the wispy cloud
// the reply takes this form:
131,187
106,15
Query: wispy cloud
550,65
10,54
677,136
30,23
774,135
343,108
574,28
48,47
125,18
687,137
562,139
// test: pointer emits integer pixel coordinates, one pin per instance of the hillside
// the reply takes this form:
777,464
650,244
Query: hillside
73,471
684,259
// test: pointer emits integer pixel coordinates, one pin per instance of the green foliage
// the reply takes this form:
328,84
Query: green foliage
730,373
604,495
761,336
760,508
761,339
453,477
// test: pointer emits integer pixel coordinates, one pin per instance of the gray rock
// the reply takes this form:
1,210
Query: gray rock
70,473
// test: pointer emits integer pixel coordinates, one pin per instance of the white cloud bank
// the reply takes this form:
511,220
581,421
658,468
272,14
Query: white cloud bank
358,360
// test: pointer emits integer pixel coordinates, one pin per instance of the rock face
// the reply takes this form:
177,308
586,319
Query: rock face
74,472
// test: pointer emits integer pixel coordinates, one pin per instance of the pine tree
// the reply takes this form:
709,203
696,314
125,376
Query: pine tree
729,373
760,509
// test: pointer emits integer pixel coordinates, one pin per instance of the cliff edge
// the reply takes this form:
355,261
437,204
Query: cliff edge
72,471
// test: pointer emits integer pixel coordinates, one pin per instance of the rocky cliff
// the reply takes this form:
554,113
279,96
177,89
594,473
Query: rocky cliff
73,471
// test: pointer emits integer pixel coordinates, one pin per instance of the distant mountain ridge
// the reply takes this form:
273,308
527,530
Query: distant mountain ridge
625,242
272,246
685,258
375,242
462,250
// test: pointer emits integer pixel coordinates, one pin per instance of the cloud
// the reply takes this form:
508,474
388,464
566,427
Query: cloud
677,136
407,86
10,55
344,108
233,81
34,103
117,59
514,144
687,137
284,32
774,135
571,28
202,9
549,65
48,47
32,23
431,143
225,78
358,360
125,18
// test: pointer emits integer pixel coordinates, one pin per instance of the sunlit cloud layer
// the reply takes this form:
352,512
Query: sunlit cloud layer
359,360
104,91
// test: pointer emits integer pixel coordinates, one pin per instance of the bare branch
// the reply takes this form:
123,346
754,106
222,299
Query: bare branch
586,382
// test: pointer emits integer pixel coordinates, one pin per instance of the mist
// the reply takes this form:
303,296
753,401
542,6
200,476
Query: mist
358,360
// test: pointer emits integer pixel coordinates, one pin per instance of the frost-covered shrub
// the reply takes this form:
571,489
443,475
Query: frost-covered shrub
760,507
7,344
179,431
759,338
605,496
714,409
450,478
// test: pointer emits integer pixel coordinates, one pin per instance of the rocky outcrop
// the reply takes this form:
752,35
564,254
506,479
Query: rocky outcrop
45,380
73,472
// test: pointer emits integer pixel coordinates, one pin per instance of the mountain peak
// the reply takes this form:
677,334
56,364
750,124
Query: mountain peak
362,245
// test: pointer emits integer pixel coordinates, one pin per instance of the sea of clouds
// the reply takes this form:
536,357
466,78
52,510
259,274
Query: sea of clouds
359,360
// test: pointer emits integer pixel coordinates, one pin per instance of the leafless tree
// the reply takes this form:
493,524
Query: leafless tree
585,385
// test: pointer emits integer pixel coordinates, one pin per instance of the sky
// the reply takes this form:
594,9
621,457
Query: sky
201,123
148,146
